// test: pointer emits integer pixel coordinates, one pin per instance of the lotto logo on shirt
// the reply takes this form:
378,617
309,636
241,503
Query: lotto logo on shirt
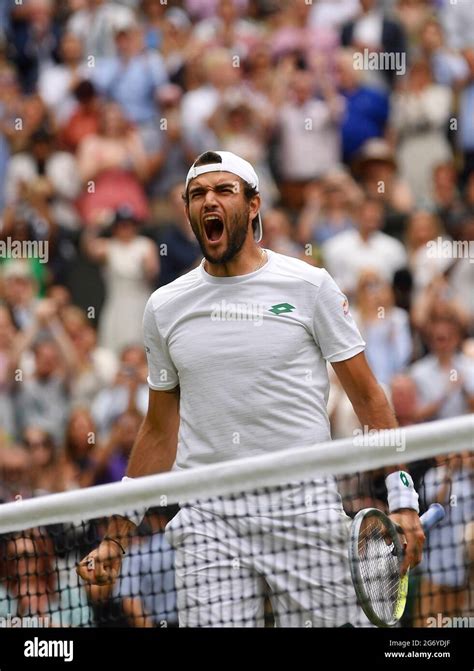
224,311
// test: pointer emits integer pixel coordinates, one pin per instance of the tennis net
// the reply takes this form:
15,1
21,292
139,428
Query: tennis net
255,542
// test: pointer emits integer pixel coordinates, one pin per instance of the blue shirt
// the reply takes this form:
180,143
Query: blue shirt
148,572
365,117
132,84
466,119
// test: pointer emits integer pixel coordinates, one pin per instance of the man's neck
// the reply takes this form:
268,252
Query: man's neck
245,262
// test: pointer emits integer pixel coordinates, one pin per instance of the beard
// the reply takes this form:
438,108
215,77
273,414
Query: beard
236,235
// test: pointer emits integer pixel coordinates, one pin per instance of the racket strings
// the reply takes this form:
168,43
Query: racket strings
379,565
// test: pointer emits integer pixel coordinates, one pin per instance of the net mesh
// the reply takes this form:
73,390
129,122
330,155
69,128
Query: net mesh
262,542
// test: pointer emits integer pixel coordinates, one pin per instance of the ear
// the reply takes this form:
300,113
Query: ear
254,206
186,209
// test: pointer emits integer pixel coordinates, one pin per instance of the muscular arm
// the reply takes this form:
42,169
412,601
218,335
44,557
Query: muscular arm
154,450
366,395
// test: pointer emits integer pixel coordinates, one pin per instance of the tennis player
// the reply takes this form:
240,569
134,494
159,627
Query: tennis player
237,353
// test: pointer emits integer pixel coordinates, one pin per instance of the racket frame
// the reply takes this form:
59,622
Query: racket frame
354,562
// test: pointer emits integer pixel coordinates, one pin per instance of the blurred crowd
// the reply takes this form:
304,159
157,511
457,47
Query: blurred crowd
365,171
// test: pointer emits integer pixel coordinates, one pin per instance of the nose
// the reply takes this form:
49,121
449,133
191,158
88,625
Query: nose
210,199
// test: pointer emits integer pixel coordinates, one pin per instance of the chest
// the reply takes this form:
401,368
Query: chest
226,336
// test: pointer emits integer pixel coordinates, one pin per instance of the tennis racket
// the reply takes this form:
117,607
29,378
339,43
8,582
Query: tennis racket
376,555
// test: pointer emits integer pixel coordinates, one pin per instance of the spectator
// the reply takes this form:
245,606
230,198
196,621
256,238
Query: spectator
96,24
327,209
177,48
461,276
131,265
167,151
34,34
447,199
153,12
240,128
60,169
376,169
82,454
57,82
198,104
449,67
349,253
444,377
384,327
132,78
226,29
277,234
32,587
20,292
444,582
46,472
466,115
458,23
128,392
365,108
176,243
7,365
148,576
420,118
43,399
115,454
96,366
9,110
113,166
375,31
424,228
84,120
308,137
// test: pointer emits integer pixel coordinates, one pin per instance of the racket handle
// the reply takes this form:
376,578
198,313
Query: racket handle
433,515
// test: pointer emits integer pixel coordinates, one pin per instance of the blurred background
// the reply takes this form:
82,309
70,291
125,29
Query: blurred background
104,105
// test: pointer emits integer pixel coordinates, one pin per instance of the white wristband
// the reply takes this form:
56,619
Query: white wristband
401,492
134,516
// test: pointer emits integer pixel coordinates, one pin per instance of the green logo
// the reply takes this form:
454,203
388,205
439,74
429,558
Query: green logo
281,308
404,479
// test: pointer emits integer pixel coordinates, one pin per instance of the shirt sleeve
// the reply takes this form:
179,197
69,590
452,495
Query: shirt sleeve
162,374
334,329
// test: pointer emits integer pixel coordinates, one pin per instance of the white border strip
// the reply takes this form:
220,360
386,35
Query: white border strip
230,477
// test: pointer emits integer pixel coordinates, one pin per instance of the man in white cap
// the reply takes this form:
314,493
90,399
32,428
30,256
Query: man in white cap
237,352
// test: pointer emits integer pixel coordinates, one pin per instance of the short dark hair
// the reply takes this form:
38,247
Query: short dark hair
209,157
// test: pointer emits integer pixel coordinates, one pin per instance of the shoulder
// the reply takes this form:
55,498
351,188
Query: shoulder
464,362
296,270
420,368
387,241
170,292
340,241
399,316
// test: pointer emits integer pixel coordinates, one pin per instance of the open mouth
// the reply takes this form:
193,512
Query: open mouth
213,227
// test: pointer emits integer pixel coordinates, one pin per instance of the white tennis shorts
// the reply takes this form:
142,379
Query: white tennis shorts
225,566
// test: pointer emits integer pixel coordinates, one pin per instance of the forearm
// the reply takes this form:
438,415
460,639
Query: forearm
154,451
65,344
374,412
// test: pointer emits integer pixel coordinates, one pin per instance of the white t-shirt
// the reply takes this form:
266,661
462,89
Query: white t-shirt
249,354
